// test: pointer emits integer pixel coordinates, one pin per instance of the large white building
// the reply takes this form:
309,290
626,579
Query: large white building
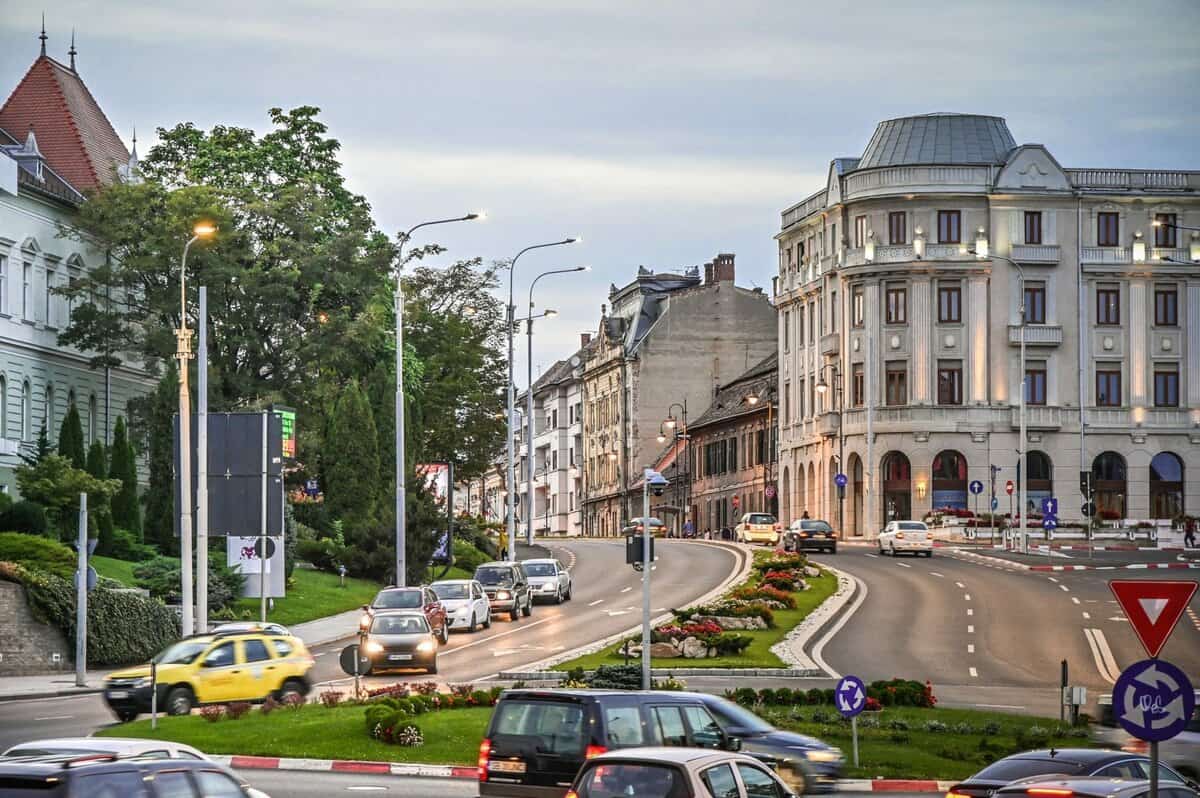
896,296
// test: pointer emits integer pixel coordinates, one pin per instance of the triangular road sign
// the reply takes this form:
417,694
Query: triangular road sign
1153,608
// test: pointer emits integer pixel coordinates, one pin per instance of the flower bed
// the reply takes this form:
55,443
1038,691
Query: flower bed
892,692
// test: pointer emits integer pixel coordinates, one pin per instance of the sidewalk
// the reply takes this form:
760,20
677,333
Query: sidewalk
49,685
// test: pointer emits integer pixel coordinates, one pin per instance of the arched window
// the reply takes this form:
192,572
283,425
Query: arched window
1166,486
92,416
48,410
1108,485
1039,480
3,407
949,480
897,487
26,411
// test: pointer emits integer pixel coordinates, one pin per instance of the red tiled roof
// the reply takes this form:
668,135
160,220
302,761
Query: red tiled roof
72,132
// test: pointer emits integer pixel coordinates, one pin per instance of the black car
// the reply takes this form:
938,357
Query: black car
401,639
1065,763
108,776
810,534
1092,787
537,740
507,587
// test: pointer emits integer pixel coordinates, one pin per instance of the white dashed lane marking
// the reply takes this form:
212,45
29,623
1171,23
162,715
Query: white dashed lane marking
974,673
597,601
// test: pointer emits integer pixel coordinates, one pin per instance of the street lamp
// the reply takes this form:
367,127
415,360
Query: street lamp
401,493
678,428
183,353
768,440
822,387
529,382
511,389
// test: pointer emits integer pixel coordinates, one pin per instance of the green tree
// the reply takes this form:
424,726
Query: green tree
55,484
98,506
127,514
351,460
41,448
155,424
70,438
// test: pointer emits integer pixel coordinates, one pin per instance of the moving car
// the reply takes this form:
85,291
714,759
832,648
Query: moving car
1067,763
421,599
909,536
465,602
1092,787
109,776
117,746
251,626
676,773
805,534
757,528
507,588
548,579
1181,752
637,525
213,669
401,639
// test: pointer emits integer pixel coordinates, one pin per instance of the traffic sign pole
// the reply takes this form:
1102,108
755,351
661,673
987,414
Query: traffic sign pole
854,736
81,595
850,697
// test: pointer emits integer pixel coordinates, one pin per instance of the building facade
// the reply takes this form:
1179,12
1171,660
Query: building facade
900,293
55,143
669,341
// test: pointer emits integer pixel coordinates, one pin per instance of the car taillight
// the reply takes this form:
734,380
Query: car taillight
1049,792
778,527
1136,747
953,794
485,750
593,751
572,794
899,536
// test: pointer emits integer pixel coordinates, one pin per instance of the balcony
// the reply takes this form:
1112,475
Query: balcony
1035,253
1124,419
829,343
1038,417
1178,254
829,424
1036,335
1105,256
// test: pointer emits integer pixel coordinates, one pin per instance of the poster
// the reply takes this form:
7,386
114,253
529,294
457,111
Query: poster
436,478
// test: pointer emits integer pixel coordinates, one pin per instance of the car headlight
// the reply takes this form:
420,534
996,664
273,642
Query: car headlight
503,594
426,646
373,647
364,622
547,587
823,755
142,682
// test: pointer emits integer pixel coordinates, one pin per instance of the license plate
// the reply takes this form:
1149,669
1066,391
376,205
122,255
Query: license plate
399,657
507,767
118,694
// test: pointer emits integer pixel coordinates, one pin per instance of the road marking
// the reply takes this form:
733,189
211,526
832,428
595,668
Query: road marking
1106,665
1087,616
904,565
1119,619
1075,599
970,612
935,573
495,636
56,717
967,596
960,585
970,628
999,706
970,648
974,673
660,609
597,601
626,590
1064,588
833,630
872,556
320,654
1052,579
615,613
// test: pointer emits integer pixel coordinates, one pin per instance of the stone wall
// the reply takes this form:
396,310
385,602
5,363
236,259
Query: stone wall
27,646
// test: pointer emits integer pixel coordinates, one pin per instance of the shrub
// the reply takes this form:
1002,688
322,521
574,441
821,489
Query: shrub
751,593
160,576
1033,737
872,705
236,709
729,644
399,690
331,698
479,699
125,546
213,712
816,696
935,726
898,724
991,728
964,728
785,696
38,553
269,706
670,683
409,736
746,696
780,561
617,677
425,688
821,716
467,689
375,716
293,701
26,517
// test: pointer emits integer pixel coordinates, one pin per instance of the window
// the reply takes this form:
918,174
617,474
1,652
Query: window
857,309
949,227
1033,227
787,331
949,377
897,228
800,328
833,311
897,383
667,724
1166,385
856,385
1108,227
812,322
787,407
120,783
48,410
759,783
1108,385
1108,305
801,407
733,453
254,651
48,318
860,231
282,647
1035,384
220,657
1166,307
3,408
26,287
1164,232
3,283
834,243
93,415
26,412
719,781
559,724
949,303
897,305
217,785
706,732
1035,303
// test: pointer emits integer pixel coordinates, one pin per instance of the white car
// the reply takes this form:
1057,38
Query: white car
117,746
466,604
905,536
671,772
548,579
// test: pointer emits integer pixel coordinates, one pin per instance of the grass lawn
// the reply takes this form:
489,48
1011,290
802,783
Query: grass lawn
758,655
313,595
451,736
120,570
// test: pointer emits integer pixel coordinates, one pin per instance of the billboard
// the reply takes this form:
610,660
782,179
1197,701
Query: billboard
436,479
287,423
242,554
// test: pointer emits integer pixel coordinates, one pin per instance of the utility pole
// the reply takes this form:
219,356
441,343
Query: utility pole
202,468
81,596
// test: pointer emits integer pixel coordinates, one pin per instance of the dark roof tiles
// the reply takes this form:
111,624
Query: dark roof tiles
938,139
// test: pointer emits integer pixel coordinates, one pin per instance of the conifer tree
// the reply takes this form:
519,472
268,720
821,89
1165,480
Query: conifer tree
127,514
351,458
70,439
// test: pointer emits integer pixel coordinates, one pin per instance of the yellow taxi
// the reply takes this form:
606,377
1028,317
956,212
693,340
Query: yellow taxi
757,528
212,669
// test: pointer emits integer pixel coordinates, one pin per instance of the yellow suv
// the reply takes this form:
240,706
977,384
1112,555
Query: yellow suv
213,669
757,528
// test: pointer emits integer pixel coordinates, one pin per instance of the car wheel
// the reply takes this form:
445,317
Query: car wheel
892,546
126,715
558,597
445,635
528,608
833,549
568,591
180,701
487,620
432,668
292,687
929,554
473,625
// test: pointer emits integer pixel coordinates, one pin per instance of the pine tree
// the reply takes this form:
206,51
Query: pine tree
99,506
35,454
127,514
351,458
70,439
161,407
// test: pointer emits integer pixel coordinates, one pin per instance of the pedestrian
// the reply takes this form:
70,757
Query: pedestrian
805,515
1189,533
503,545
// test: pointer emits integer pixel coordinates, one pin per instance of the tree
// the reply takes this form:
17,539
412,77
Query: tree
70,438
56,484
41,448
127,514
100,506
155,422
351,460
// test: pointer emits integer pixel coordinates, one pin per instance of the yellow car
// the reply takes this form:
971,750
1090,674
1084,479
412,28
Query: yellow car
757,528
213,669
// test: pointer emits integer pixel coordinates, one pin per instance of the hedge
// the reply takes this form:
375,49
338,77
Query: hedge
38,553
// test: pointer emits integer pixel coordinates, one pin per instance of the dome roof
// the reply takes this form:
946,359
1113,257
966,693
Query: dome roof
938,139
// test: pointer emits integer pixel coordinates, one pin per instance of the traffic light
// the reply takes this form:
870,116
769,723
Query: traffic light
1085,483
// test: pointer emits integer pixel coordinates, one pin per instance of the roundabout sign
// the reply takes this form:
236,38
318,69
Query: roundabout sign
1153,700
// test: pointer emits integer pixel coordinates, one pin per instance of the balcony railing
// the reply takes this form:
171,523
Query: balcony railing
828,424
1105,255
829,343
1125,419
1036,335
1132,179
1038,417
1175,253
1035,253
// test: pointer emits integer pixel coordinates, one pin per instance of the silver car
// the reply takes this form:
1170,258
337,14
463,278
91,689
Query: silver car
548,579
672,772
117,746
1181,752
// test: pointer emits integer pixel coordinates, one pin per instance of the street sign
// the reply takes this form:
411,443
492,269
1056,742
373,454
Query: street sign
1050,506
850,696
840,480
1008,487
995,503
349,654
1152,608
1049,523
312,487
976,487
1153,700
1088,509
770,491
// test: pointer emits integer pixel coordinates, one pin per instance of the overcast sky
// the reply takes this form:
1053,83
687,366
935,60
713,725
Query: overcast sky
662,132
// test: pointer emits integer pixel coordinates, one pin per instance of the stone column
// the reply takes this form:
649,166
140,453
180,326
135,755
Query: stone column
977,337
1137,343
921,340
1191,375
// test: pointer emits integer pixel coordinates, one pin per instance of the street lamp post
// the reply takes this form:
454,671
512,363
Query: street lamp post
822,387
769,439
678,427
401,492
183,354
529,389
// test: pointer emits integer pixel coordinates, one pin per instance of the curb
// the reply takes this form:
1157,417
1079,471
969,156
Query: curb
782,673
1134,567
50,694
793,648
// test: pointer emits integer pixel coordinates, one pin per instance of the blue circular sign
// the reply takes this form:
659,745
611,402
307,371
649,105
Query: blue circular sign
840,480
1153,700
850,696
995,502
1049,522
976,487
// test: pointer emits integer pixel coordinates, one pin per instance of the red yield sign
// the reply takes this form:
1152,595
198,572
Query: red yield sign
1153,608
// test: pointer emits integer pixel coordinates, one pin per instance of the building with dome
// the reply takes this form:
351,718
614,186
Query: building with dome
900,292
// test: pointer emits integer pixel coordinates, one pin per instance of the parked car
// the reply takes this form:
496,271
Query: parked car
538,739
1181,752
757,528
676,773
507,588
1067,763
548,579
401,639
806,534
117,746
1092,787
251,626
906,536
213,669
109,776
410,598
637,525
465,602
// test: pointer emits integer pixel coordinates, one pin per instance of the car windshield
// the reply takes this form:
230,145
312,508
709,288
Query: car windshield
611,780
730,715
1008,770
494,576
398,600
916,526
817,526
399,625
761,518
181,653
445,592
539,569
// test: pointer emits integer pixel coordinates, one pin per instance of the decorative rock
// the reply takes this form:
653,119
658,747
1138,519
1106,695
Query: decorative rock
663,651
734,624
811,572
694,649
712,651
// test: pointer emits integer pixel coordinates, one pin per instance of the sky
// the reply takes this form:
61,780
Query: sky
661,132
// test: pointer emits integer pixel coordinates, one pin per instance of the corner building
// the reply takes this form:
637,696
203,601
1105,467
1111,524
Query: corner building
900,326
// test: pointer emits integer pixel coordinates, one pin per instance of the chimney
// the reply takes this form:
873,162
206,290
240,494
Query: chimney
708,273
723,271
584,339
